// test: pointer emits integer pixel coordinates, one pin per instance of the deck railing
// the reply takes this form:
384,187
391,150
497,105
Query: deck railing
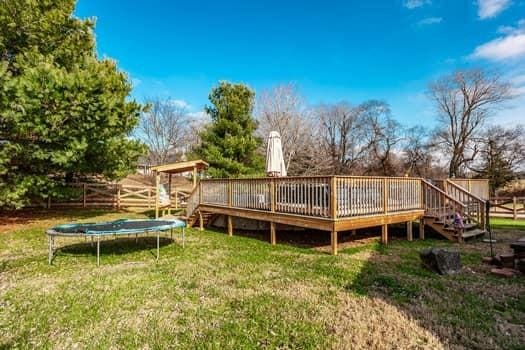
317,196
357,196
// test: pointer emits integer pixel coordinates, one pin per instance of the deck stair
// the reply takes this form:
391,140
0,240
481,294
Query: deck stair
194,219
441,207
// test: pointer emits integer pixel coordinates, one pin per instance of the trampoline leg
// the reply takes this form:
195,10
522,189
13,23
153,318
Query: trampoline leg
171,234
91,241
136,237
183,236
158,245
98,250
50,250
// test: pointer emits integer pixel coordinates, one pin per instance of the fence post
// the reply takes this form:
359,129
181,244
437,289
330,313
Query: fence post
514,208
84,190
118,196
149,198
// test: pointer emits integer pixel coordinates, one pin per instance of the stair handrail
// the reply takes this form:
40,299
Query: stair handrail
446,195
193,201
463,189
440,204
480,216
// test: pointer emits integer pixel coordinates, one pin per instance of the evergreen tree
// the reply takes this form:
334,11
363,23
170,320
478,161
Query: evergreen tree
228,143
63,111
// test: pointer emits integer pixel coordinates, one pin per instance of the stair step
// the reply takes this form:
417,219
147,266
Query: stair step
473,233
467,227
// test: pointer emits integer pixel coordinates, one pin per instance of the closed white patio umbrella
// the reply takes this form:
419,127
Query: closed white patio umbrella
275,166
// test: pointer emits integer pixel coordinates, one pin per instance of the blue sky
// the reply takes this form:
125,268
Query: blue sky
332,50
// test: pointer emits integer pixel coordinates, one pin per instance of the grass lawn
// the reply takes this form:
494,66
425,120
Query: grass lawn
240,292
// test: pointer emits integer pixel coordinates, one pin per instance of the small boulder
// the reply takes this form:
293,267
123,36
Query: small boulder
442,261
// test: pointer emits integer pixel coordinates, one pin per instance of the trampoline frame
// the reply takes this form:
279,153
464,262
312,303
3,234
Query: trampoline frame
53,233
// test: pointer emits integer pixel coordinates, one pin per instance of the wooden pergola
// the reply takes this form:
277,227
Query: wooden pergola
195,166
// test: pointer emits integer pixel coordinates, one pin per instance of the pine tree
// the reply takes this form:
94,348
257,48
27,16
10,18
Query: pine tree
228,143
63,111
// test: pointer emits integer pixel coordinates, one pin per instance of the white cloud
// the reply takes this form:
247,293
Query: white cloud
509,46
430,20
179,103
412,4
199,115
491,8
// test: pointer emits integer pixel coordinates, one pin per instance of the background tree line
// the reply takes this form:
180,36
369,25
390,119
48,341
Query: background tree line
364,138
65,114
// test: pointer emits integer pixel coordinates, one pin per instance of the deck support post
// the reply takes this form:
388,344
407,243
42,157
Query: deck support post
421,228
334,242
410,236
230,225
201,221
354,232
273,236
384,234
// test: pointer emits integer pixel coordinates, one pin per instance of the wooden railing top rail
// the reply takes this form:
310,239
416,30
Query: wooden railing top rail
313,177
465,191
443,193
506,198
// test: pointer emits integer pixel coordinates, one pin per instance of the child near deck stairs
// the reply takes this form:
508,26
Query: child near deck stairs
458,223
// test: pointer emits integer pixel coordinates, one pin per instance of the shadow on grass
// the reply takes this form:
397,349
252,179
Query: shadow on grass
466,310
111,246
463,310
320,240
29,216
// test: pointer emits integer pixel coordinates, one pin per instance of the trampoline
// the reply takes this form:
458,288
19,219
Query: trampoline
113,228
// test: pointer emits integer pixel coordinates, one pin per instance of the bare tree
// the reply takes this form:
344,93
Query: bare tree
163,127
345,136
502,154
418,153
282,109
386,135
464,101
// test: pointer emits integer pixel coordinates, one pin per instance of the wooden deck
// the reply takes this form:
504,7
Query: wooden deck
330,203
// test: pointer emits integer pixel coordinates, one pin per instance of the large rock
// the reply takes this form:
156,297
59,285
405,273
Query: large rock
442,261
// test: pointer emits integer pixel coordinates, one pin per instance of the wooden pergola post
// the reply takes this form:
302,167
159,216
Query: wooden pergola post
169,194
157,194
194,177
